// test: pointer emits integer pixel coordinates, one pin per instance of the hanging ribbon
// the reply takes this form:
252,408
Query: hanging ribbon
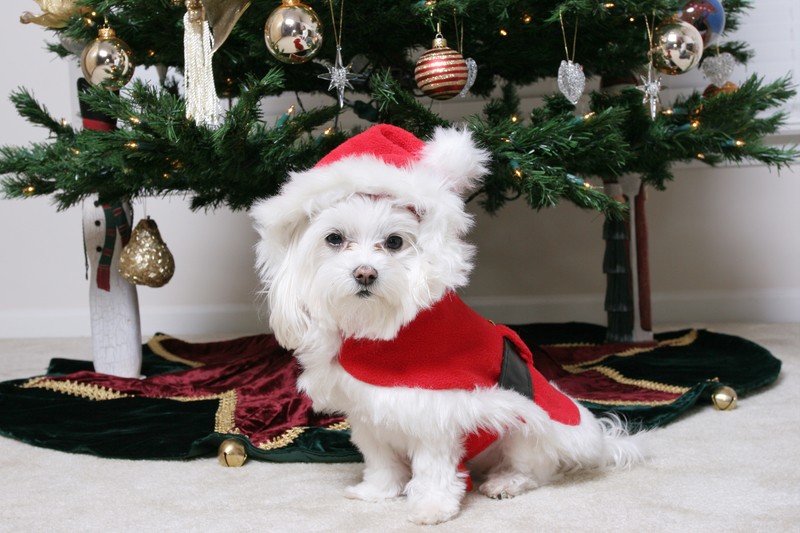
116,222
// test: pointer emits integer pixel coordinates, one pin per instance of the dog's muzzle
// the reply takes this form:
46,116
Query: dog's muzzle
365,276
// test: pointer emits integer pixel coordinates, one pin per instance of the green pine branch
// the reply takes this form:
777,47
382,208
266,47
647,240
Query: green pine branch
541,155
157,151
37,114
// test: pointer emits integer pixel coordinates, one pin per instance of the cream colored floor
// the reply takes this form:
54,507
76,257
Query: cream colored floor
709,471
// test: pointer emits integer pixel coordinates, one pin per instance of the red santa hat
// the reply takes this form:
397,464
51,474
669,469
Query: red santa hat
393,145
389,161
430,177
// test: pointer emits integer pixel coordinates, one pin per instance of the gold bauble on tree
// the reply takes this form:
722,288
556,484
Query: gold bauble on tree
293,32
677,47
107,61
146,260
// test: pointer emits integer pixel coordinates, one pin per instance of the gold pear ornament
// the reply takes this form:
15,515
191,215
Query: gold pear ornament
146,260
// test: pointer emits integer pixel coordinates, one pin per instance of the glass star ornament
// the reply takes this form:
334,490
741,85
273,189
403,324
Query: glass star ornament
339,76
571,80
651,87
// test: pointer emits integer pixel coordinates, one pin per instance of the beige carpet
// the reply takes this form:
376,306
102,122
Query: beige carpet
709,471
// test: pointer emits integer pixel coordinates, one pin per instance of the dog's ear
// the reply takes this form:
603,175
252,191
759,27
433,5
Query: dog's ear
453,159
453,156
280,225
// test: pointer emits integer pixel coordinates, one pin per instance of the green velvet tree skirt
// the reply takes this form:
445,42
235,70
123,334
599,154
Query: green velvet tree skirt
195,395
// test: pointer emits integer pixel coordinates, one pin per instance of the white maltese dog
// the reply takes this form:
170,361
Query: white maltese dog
361,256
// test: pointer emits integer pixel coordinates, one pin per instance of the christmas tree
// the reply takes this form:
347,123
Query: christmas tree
540,156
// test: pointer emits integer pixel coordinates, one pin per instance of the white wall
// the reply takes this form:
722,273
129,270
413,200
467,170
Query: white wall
724,243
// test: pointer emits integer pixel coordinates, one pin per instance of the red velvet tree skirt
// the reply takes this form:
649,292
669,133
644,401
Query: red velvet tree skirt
195,395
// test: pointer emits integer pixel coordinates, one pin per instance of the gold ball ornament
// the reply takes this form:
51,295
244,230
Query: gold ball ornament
441,72
724,398
677,47
107,61
146,260
293,32
231,453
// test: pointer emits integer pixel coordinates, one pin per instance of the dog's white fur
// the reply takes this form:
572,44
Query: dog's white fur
411,438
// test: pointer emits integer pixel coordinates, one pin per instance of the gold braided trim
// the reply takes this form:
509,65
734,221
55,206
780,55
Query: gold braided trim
344,425
641,383
73,388
623,403
225,417
155,346
572,344
683,340
225,420
283,440
288,436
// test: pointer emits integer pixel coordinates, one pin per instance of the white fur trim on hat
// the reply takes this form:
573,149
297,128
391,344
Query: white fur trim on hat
454,156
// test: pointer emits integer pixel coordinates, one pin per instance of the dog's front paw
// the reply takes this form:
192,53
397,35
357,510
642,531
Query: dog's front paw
506,485
434,511
372,493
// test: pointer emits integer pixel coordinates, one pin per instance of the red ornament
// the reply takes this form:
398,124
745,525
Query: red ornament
441,72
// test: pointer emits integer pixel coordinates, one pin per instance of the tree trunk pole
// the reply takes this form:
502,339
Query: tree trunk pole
633,188
643,261
618,302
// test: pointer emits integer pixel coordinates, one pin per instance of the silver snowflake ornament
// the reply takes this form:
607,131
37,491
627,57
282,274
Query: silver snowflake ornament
651,87
339,76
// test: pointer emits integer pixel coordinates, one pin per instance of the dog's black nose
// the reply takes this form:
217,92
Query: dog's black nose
365,275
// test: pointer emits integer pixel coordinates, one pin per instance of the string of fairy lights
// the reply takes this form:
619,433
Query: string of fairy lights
675,46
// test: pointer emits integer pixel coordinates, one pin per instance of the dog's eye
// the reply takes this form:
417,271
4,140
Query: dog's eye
394,242
334,239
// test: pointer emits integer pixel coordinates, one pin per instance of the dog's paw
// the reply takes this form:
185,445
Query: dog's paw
431,512
371,493
506,485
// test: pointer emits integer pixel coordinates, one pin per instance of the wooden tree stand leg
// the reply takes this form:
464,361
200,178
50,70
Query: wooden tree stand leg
116,327
633,189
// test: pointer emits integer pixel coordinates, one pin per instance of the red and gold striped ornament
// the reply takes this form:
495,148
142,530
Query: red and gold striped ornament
441,72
